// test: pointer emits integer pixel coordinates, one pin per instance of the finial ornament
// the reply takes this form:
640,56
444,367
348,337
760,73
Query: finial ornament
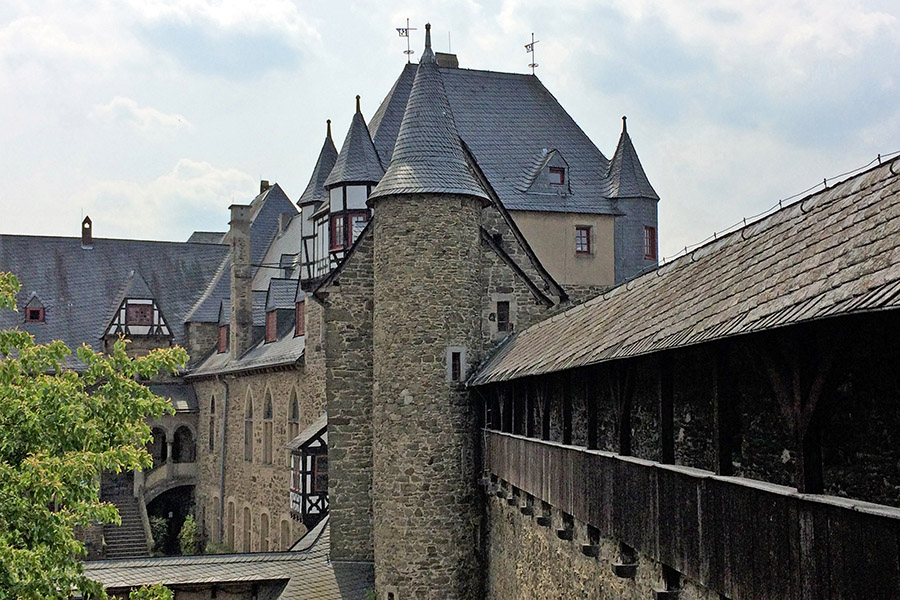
329,127
427,36
357,103
624,125
529,48
404,32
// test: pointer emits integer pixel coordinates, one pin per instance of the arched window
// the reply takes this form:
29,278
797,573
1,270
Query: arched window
183,448
267,431
212,424
264,532
246,547
285,535
229,525
294,418
158,447
248,430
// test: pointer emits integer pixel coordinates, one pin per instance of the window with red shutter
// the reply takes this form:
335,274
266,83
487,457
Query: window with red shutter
271,325
300,317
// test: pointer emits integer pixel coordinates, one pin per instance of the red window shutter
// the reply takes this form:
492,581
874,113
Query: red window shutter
223,338
300,317
271,324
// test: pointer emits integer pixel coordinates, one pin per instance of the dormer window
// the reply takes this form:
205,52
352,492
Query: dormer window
557,176
271,326
34,315
223,339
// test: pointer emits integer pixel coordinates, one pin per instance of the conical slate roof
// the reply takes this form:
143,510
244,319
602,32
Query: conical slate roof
428,156
315,189
626,177
358,161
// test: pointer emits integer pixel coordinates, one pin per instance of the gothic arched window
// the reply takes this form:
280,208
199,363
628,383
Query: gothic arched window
267,431
212,424
248,430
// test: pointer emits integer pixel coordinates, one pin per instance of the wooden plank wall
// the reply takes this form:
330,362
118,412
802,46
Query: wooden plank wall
747,540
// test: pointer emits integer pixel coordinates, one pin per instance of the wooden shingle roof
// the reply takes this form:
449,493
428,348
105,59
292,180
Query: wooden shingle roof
833,253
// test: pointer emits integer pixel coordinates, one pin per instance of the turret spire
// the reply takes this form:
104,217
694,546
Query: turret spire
428,55
357,104
328,135
624,124
626,177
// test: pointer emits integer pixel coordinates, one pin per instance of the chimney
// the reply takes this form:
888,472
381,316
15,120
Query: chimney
264,185
241,327
87,236
446,60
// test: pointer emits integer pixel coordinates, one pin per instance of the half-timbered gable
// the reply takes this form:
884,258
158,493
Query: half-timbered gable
309,473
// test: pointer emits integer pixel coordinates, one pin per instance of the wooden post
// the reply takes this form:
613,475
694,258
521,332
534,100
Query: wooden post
666,409
798,370
590,399
725,411
529,408
545,408
621,390
565,393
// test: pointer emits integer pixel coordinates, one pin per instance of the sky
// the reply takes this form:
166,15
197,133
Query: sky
153,116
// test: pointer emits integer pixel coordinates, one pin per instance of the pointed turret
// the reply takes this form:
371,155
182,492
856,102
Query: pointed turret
626,176
428,156
315,189
358,161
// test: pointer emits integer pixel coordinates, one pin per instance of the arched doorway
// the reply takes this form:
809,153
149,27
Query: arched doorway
158,447
173,506
183,447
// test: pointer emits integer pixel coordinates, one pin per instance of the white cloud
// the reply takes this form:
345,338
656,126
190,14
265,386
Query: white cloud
194,195
145,119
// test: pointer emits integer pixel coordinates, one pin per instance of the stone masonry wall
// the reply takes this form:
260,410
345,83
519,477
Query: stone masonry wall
428,300
263,488
526,560
348,309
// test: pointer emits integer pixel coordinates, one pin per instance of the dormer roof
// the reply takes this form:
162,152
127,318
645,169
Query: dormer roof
281,293
315,189
428,155
626,175
358,161
539,181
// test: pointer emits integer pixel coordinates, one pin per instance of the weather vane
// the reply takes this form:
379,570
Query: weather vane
530,49
404,32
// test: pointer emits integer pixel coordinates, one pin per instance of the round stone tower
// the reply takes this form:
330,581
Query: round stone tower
427,289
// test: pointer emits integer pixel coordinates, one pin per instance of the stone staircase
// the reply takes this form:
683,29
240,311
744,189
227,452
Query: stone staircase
127,540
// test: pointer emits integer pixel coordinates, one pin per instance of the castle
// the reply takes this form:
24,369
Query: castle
459,367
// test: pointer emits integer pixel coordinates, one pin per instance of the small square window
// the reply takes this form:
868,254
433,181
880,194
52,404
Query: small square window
503,315
338,234
650,252
557,176
138,314
582,240
34,315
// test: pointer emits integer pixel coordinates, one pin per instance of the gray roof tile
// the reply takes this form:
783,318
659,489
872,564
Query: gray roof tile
833,253
288,350
307,568
428,156
358,161
80,288
626,175
315,189
281,293
385,123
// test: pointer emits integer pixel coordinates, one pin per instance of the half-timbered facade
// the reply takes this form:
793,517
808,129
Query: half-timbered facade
309,473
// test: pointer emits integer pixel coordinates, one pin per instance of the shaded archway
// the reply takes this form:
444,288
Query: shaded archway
172,505
158,446
184,449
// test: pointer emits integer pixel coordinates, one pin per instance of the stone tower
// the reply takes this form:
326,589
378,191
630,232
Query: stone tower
426,329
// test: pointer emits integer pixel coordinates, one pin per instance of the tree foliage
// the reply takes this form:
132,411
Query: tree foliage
58,431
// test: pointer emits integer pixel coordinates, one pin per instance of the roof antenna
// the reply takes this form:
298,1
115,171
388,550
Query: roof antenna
404,32
529,48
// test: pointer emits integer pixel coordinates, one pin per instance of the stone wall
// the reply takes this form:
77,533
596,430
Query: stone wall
348,305
526,560
200,338
428,303
260,487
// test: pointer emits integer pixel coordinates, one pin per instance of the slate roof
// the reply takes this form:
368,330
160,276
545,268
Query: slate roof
309,573
264,215
315,189
181,395
281,293
428,157
310,432
80,289
836,252
358,160
285,351
207,237
385,123
626,177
